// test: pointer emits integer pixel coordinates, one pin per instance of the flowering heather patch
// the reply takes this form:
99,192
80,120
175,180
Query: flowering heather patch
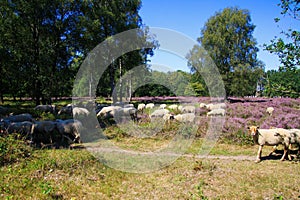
252,111
243,112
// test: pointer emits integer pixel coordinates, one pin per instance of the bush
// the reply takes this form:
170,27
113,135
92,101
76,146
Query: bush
13,148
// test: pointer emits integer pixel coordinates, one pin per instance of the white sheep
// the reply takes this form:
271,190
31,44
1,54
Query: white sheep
66,110
77,111
141,107
19,118
123,113
108,112
70,129
292,135
202,105
216,112
43,132
173,107
270,110
185,117
24,128
149,106
269,137
162,106
159,113
216,106
188,109
46,108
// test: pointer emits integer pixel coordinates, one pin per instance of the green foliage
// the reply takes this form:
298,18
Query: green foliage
176,83
288,49
12,149
285,83
227,37
43,43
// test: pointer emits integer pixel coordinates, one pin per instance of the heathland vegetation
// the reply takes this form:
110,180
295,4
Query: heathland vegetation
44,43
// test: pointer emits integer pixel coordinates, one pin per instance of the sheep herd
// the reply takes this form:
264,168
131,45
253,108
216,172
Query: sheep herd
61,131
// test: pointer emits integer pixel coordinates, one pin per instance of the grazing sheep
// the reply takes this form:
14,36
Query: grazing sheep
24,128
173,107
162,106
216,112
188,109
141,107
216,106
185,117
46,108
202,105
70,129
67,110
43,132
159,113
19,118
108,112
292,135
270,110
269,137
123,113
168,117
130,105
149,106
77,111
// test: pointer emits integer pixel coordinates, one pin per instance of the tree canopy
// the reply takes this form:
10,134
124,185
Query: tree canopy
287,48
227,37
43,43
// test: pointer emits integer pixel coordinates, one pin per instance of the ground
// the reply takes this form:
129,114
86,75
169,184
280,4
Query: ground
228,172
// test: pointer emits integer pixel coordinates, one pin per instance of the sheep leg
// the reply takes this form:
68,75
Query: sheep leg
285,151
259,153
273,150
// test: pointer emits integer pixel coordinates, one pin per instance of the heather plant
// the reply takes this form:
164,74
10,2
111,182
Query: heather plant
252,111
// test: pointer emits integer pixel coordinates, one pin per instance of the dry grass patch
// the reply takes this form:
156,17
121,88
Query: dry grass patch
75,174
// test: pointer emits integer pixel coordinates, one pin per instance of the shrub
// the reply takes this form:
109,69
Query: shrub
13,148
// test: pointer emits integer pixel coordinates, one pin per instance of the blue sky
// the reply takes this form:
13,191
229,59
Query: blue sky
189,16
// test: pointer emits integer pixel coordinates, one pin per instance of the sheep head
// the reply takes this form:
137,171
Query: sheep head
253,130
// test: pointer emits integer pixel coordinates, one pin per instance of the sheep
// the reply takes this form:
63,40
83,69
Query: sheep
19,118
269,137
43,132
216,106
173,107
108,112
168,117
188,109
141,107
122,113
185,117
24,128
46,108
159,113
70,129
130,105
77,111
270,110
149,106
293,135
65,110
162,106
202,105
216,112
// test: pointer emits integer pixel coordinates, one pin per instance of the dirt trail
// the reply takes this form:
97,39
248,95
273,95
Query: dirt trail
162,154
